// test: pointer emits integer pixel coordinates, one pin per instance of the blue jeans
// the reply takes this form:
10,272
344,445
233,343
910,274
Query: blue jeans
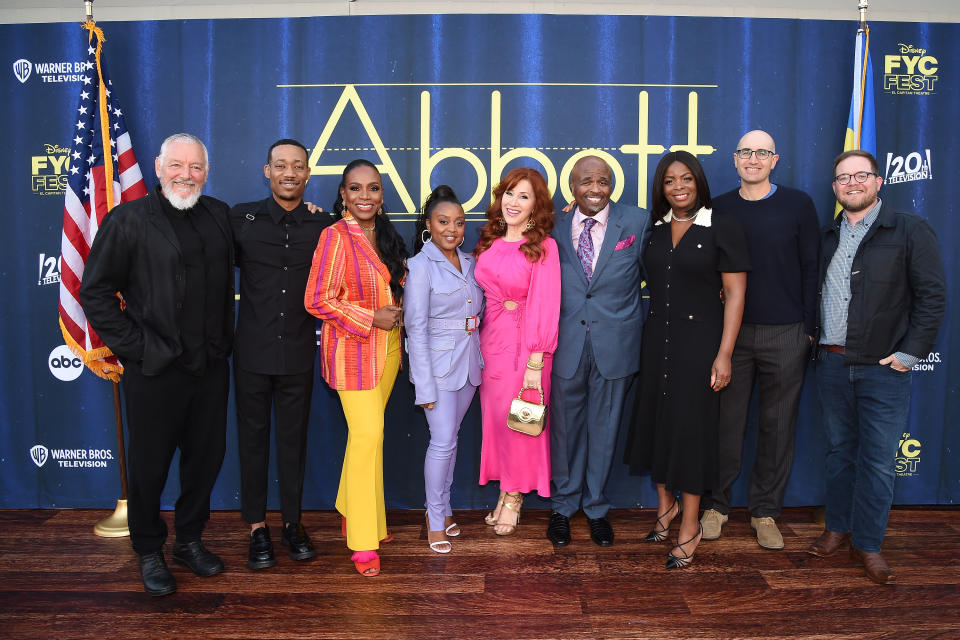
865,409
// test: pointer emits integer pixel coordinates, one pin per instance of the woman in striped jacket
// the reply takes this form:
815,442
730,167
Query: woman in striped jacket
355,287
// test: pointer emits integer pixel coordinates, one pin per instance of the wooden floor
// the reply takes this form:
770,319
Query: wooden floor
58,580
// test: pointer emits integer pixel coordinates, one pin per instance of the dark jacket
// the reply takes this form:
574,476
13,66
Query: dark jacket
897,286
136,253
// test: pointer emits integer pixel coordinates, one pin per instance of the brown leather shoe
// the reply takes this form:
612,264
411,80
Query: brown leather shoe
876,567
828,543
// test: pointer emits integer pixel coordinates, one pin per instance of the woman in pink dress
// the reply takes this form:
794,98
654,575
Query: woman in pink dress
519,271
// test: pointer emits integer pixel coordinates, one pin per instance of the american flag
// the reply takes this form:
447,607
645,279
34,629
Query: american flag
99,126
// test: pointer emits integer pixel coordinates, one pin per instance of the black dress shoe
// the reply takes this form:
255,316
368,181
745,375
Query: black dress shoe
600,531
197,558
261,549
558,531
295,537
157,579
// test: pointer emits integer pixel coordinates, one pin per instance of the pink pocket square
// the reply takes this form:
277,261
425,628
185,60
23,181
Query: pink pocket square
626,242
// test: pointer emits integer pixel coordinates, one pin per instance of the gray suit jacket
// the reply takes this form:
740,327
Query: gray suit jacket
610,303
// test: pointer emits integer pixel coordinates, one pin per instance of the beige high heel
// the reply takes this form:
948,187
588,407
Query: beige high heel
511,502
491,518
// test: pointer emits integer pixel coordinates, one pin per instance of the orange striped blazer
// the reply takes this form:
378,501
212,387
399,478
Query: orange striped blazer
347,283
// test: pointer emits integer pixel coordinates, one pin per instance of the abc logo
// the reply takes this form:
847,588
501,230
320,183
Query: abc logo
64,364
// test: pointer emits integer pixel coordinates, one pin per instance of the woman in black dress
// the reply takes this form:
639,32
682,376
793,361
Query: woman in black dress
692,258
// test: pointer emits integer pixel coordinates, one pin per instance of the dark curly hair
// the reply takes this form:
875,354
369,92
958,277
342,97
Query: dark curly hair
659,206
443,193
390,245
542,214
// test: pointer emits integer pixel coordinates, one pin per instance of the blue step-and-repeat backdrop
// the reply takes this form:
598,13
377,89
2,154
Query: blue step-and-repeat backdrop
457,100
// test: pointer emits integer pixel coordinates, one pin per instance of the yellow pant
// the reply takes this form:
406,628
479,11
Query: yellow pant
360,497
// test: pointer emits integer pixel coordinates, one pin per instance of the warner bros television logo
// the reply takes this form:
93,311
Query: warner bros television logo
22,69
39,454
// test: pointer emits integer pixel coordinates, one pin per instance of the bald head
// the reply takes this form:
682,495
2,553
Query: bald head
591,181
757,139
754,171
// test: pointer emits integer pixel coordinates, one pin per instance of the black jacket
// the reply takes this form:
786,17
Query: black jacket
897,286
136,253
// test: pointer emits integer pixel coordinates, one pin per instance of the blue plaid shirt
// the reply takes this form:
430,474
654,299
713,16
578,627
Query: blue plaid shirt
835,302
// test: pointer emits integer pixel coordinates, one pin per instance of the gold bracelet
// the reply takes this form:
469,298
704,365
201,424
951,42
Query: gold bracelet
534,366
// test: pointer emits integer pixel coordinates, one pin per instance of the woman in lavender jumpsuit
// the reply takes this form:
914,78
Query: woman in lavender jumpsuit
442,304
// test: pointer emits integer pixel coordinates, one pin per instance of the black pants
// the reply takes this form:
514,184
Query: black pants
776,356
289,397
170,411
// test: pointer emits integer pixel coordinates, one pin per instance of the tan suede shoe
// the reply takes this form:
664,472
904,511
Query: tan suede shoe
712,522
768,535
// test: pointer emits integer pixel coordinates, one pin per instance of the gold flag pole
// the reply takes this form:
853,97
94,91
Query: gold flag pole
114,525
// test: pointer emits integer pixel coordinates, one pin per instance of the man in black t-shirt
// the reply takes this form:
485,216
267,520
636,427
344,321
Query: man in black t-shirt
779,321
275,347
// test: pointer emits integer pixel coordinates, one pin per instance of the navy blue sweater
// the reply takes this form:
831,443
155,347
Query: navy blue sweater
783,237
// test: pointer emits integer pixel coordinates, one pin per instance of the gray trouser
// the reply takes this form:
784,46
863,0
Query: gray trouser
776,357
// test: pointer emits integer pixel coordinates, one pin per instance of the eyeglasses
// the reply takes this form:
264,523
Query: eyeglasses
859,176
762,154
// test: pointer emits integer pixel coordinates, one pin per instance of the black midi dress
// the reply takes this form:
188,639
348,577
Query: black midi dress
674,428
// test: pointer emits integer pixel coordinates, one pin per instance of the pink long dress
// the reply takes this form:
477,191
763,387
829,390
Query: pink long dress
507,338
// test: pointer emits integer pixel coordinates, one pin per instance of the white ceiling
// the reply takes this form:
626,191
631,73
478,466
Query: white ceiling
14,11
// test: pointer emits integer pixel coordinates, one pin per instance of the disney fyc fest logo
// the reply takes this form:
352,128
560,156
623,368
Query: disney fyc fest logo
71,458
488,169
908,456
910,72
49,171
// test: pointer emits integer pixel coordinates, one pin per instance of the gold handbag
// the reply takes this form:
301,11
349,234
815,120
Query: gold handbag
527,417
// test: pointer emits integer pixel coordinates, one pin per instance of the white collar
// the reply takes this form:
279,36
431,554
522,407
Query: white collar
704,217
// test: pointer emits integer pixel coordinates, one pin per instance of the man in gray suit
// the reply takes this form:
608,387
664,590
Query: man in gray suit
601,321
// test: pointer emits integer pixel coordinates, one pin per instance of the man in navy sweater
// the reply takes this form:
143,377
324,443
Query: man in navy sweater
779,322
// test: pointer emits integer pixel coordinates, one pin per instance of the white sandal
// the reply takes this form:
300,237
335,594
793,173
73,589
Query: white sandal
439,548
452,534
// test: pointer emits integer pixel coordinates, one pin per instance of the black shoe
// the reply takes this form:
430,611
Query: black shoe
261,549
600,531
297,539
558,531
196,557
157,579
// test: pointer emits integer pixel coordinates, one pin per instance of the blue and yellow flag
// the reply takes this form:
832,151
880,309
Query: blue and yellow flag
862,121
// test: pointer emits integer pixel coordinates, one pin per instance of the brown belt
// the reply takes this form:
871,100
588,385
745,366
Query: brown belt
834,348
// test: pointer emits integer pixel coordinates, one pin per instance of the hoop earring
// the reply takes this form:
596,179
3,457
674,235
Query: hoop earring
501,222
422,239
531,224
461,241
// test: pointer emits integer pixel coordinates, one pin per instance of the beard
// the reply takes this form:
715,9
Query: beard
181,202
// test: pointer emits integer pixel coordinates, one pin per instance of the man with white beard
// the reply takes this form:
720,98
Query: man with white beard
170,257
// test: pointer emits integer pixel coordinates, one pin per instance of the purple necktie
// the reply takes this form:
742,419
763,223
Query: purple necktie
585,248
